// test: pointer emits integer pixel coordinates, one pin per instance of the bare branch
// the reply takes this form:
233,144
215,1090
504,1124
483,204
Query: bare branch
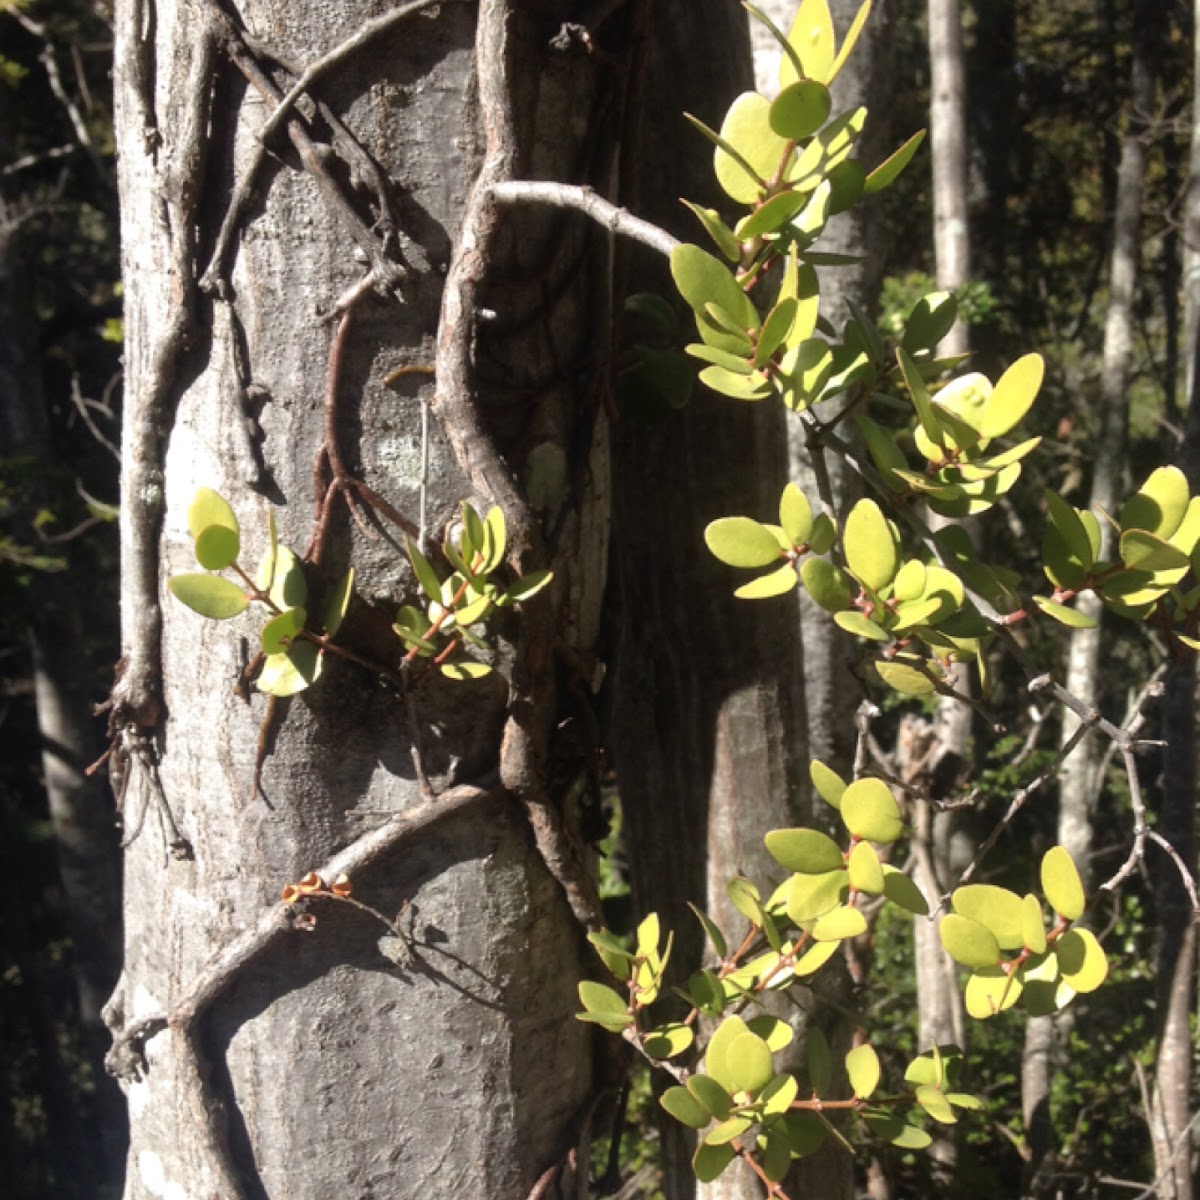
585,200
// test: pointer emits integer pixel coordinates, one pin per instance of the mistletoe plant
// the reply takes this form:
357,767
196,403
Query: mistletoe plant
293,646
919,600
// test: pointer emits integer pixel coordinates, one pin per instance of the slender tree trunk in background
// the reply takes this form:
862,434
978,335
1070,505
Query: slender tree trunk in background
80,811
321,1063
1080,783
935,833
1171,1116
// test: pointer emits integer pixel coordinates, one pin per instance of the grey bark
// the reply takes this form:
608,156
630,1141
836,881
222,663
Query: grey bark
323,1064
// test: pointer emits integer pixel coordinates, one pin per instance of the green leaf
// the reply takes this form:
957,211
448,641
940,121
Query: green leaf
812,38
1143,551
739,387
743,895
795,515
885,453
1033,928
339,602
465,669
711,931
934,1102
829,784
278,632
1013,396
819,1060
905,678
703,280
870,811
860,625
999,909
599,998
217,547
826,584
1063,614
667,1041
775,328
990,991
710,1094
1062,885
757,149
748,1059
1081,960
426,576
870,545
209,595
807,851
776,1033
814,958
495,541
775,1152
901,890
848,43
968,942
772,216
841,923
806,1132
897,1131
777,583
800,109
683,1106
812,896
526,587
742,542
291,672
281,575
862,1069
612,953
888,171
931,319
921,402
1159,504
865,869
208,509
716,229
716,1057
710,1161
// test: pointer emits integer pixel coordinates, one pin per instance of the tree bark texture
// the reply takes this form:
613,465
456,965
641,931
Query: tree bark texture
302,1064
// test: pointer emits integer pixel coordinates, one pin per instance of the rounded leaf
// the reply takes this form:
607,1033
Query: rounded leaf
860,625
865,869
339,602
905,678
775,583
710,1095
710,1161
1061,884
898,1132
1081,960
1013,396
968,942
1033,929
807,851
826,584
742,542
776,1033
870,811
668,1040
208,509
599,998
841,923
870,545
291,672
747,129
990,991
1002,911
1071,617
800,109
901,890
1159,504
862,1069
716,1057
795,515
209,595
703,279
278,632
829,784
748,1060
684,1107
217,547
811,896
466,669
934,1102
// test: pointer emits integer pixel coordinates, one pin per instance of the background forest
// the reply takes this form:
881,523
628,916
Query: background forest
1080,185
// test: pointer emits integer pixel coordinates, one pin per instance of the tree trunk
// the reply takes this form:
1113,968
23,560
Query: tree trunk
300,1064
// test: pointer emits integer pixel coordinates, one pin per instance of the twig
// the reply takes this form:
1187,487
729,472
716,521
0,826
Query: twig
585,200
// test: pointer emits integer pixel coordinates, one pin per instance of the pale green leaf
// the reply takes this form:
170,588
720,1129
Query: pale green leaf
209,595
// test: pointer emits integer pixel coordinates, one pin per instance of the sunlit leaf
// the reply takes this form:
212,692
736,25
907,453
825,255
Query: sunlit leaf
209,595
862,1069
870,811
1061,884
741,542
